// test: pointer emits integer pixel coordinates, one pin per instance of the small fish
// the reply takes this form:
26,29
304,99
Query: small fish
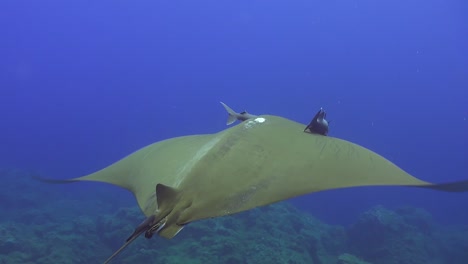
233,115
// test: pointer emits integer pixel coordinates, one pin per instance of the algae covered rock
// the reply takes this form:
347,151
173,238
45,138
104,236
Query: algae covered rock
453,243
350,259
389,237
8,238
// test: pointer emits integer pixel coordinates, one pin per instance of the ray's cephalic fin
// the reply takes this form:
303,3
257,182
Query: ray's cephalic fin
319,124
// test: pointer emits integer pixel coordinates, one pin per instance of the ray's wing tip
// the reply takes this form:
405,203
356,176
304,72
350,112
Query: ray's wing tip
53,181
459,186
456,186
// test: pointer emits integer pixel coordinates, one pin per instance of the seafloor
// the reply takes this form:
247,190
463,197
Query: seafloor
38,225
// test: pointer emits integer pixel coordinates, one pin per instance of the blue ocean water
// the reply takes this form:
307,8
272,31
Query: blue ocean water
84,83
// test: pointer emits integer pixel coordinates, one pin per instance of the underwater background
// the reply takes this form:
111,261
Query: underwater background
85,83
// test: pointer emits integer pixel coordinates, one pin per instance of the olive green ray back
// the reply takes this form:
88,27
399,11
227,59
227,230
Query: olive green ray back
255,163
259,163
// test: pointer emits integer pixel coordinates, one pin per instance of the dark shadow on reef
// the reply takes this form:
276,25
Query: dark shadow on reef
40,224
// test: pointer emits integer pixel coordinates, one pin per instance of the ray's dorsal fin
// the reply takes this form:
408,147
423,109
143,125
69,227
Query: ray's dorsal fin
169,200
165,195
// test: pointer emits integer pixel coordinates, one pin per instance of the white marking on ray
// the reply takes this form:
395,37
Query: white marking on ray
251,123
179,230
161,227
